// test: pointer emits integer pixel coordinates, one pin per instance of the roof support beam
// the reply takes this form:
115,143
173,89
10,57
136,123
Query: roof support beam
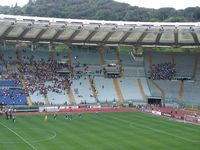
142,36
40,34
159,37
7,31
89,37
26,30
58,33
71,38
176,37
107,36
194,35
126,35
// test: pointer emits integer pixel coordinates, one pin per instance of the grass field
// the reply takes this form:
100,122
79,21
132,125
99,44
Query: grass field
109,131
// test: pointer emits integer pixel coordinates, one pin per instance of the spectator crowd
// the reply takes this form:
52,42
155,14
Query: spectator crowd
163,71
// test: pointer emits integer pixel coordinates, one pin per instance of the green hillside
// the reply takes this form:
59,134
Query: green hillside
101,10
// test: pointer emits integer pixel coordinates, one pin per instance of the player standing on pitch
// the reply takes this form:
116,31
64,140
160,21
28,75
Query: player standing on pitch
79,115
13,118
45,118
54,116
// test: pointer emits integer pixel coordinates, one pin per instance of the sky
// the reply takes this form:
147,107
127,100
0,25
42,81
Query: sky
13,2
177,4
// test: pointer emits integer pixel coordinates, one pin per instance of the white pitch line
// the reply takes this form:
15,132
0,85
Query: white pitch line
25,141
156,130
33,141
48,139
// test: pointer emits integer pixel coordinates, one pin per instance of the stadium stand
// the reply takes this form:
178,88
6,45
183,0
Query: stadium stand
154,91
99,67
13,97
197,77
11,92
57,95
183,67
10,83
44,76
171,89
9,54
184,63
105,89
127,60
145,87
159,58
133,71
191,94
82,91
81,56
130,89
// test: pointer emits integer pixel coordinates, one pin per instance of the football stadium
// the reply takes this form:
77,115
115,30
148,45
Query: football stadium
82,84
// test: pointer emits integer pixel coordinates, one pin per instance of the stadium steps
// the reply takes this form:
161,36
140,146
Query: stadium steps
52,53
181,91
173,60
150,60
102,56
118,91
69,90
46,100
18,55
195,66
71,96
141,89
162,93
28,99
69,56
118,56
119,61
94,91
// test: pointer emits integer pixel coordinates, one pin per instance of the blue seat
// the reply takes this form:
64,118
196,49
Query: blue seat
13,97
10,83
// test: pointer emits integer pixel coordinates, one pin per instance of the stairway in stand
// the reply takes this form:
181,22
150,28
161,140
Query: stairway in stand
195,66
173,59
28,99
181,91
51,52
162,93
70,94
46,100
102,56
18,55
119,61
118,56
141,89
94,91
118,91
150,60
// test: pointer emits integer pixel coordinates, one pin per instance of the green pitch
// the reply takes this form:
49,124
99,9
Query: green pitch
109,131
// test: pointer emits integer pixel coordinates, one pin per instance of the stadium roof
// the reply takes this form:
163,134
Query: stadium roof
94,32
